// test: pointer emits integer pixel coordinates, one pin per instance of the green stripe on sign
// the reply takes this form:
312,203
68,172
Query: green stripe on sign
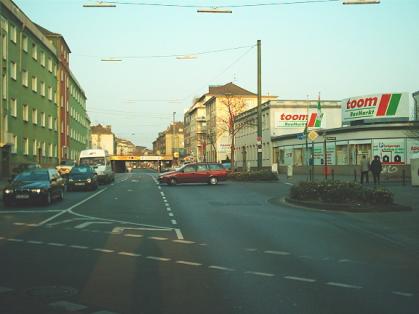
394,103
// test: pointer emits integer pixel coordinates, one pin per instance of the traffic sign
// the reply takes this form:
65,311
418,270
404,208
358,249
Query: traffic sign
330,138
313,135
301,136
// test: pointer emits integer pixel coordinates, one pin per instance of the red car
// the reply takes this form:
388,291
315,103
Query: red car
209,173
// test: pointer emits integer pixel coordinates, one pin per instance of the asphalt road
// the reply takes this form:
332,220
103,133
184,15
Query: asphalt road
138,247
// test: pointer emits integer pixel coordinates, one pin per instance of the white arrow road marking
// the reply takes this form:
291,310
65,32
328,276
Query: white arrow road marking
86,224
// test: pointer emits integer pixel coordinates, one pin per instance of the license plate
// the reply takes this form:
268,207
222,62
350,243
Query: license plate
22,197
80,183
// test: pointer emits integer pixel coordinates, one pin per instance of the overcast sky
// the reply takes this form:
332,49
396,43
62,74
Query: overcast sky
340,51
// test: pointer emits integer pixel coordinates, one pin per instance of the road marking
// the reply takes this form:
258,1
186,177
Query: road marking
129,190
82,247
171,214
343,285
131,235
40,211
162,193
300,278
119,230
15,240
2,238
68,210
221,268
4,289
104,250
129,254
251,249
168,208
174,222
403,294
156,258
259,273
85,224
289,183
188,263
67,306
34,242
56,244
179,235
277,252
157,238
65,221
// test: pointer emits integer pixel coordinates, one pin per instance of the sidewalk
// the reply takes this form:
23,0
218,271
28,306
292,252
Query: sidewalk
403,194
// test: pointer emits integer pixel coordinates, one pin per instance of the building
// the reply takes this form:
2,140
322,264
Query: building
103,138
125,147
28,108
281,117
170,141
416,105
208,120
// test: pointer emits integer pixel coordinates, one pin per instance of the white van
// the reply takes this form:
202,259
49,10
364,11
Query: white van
98,159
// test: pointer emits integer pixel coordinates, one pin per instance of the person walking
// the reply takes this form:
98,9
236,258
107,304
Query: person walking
376,169
365,168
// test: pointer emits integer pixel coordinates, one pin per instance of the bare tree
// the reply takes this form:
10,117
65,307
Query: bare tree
232,106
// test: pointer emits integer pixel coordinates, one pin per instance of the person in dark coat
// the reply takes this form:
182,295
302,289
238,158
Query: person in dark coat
376,169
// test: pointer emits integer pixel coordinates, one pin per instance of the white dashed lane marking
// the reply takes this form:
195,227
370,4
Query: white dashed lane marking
15,240
277,252
103,250
158,238
82,247
299,278
343,285
161,259
56,244
133,235
221,268
171,215
403,294
174,222
34,242
129,254
188,263
257,273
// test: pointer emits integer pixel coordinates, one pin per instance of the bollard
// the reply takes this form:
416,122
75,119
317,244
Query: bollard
333,175
404,176
354,175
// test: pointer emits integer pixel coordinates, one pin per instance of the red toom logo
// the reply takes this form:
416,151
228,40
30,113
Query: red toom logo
294,117
362,103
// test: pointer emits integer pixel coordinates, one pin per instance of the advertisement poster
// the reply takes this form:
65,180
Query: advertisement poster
375,107
412,149
319,154
391,151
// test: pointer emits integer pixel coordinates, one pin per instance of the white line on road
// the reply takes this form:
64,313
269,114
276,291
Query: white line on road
85,224
133,235
188,263
174,222
104,250
161,259
260,273
171,214
34,242
129,254
82,247
179,235
162,193
343,285
56,244
403,294
15,240
277,252
168,208
221,268
40,211
289,183
300,278
157,238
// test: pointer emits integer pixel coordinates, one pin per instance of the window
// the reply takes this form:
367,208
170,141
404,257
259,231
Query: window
25,111
25,146
43,89
50,151
50,65
13,107
34,52
13,70
43,59
43,149
13,34
49,93
35,116
4,85
50,122
189,168
14,147
25,78
43,119
4,46
202,167
25,43
34,83
35,148
55,124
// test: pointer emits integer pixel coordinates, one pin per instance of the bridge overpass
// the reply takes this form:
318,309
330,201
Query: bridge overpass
119,162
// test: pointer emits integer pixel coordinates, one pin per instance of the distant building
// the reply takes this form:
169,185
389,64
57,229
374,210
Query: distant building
125,147
169,141
103,138
416,106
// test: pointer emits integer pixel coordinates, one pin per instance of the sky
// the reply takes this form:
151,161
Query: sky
336,50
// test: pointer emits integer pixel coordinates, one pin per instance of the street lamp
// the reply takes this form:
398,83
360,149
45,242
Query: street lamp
100,4
214,10
111,60
361,2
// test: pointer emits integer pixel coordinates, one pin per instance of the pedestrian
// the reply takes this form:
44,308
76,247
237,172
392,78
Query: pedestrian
365,168
376,169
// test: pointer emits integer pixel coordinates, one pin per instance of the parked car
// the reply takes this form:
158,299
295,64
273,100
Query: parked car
23,167
209,173
82,177
65,167
36,185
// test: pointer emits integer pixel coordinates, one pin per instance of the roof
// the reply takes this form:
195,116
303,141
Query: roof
229,89
48,33
100,129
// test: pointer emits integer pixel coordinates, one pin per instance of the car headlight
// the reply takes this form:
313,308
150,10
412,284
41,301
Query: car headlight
8,191
89,180
36,191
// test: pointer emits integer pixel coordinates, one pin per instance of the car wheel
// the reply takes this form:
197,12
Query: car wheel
213,181
48,199
172,181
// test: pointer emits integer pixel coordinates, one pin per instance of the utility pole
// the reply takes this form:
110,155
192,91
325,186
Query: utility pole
173,137
259,105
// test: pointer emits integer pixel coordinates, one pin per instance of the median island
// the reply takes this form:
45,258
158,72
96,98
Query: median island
343,196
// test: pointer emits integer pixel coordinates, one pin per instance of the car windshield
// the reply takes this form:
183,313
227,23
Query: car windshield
92,161
81,170
32,176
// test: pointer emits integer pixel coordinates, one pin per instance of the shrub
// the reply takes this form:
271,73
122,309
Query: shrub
339,192
259,175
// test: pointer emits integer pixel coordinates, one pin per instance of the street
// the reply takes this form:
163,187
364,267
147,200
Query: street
139,247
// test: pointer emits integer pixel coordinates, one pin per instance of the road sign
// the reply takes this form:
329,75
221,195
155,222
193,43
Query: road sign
301,136
330,138
313,135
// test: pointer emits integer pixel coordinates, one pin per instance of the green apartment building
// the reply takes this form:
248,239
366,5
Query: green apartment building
30,89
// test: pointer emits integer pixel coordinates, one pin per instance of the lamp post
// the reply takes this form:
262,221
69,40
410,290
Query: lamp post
259,105
173,137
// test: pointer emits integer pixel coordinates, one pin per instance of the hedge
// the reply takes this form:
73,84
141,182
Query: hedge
259,175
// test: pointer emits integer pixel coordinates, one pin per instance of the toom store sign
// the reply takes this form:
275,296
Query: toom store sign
296,120
375,107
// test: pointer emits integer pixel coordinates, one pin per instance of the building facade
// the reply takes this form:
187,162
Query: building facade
125,147
281,117
170,141
28,125
195,130
103,138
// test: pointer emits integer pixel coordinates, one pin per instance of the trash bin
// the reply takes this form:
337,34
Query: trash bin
289,171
